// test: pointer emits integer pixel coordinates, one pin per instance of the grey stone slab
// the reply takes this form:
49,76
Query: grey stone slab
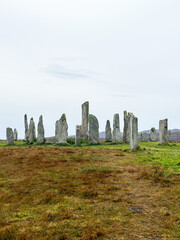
93,137
108,133
9,136
61,132
40,129
85,119
116,135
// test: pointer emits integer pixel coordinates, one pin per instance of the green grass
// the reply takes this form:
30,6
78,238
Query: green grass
89,192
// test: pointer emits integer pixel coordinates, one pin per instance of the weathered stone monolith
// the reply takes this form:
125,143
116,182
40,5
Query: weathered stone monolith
15,135
61,132
85,119
26,137
153,135
126,127
108,134
163,131
9,136
133,132
78,135
93,137
116,129
145,137
40,136
32,131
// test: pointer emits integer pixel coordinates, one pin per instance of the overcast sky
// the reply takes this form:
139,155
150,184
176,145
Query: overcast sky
117,54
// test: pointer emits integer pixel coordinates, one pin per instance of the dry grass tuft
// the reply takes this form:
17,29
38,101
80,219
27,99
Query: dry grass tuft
88,193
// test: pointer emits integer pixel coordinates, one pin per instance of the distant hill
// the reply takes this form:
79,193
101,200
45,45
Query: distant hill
102,134
173,131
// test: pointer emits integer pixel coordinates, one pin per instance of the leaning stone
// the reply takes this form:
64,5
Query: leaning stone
133,132
145,137
9,136
85,119
61,132
93,130
78,135
163,131
26,137
40,137
15,135
32,131
108,134
116,135
153,135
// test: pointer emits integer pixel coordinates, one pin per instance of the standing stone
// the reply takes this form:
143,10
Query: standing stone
133,132
116,129
169,135
15,135
93,130
26,138
126,127
153,135
61,132
85,119
108,132
145,137
78,135
32,131
9,136
163,131
40,137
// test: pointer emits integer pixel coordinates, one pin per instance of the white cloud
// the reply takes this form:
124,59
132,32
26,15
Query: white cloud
117,54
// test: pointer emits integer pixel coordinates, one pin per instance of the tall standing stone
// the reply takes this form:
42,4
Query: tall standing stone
108,134
153,135
26,137
78,135
116,135
85,119
32,131
126,127
61,132
40,137
93,130
15,135
9,136
163,131
133,132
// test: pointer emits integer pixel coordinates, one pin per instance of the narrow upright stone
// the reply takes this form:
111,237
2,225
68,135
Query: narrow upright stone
40,137
9,136
26,137
15,135
163,131
116,129
78,135
85,119
93,130
153,135
61,132
126,127
108,134
133,132
32,131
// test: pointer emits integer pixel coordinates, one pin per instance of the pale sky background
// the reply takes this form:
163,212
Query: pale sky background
116,54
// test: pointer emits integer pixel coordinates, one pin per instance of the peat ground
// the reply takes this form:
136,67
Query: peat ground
90,192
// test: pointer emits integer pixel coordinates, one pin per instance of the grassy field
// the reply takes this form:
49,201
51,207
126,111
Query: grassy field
90,192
